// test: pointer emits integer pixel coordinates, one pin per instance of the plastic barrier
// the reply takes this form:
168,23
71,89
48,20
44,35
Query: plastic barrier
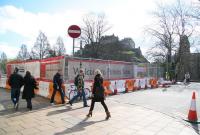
57,97
137,84
154,83
129,85
3,82
43,88
46,87
108,90
119,85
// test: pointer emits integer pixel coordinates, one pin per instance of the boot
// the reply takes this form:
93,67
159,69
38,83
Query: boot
107,115
89,114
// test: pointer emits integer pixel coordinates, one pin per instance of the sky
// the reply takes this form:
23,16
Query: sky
21,20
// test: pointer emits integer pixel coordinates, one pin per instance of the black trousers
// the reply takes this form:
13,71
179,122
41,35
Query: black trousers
29,103
102,102
61,94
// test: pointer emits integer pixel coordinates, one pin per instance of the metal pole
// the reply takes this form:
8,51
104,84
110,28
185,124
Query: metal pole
73,45
81,54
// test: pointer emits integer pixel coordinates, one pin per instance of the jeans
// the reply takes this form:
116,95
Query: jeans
15,93
61,94
80,93
102,102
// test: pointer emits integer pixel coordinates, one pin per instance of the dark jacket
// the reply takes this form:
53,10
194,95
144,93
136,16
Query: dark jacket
57,81
98,89
29,86
15,81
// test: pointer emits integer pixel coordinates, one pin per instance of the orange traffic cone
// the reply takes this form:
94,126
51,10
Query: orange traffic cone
192,115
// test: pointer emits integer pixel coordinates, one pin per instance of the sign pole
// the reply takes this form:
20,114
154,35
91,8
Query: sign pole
73,45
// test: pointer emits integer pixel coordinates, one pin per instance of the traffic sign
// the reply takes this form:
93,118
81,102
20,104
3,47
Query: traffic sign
74,31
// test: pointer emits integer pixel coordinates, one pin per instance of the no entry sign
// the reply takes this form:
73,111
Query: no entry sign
74,31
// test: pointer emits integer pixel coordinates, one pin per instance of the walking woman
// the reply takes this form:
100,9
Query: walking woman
98,94
29,86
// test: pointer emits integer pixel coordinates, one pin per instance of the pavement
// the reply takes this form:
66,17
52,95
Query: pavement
126,119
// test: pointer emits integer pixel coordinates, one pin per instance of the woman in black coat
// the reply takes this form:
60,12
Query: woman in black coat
98,94
29,86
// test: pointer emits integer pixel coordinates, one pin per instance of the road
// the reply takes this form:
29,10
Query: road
173,101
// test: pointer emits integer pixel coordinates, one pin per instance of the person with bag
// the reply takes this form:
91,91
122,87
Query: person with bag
98,94
16,82
29,86
79,83
57,86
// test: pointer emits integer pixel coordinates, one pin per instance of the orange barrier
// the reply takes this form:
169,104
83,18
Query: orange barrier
106,85
130,85
7,85
57,97
153,83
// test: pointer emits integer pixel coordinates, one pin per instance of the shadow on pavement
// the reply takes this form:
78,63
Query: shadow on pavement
195,127
78,127
68,108
7,107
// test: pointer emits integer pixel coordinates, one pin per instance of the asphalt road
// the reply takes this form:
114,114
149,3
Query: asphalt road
173,101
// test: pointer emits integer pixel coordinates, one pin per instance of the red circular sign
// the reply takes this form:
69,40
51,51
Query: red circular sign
74,31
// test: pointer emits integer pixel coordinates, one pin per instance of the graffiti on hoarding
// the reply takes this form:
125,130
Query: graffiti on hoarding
109,71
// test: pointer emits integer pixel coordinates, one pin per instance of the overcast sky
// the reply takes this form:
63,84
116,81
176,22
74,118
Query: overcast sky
21,20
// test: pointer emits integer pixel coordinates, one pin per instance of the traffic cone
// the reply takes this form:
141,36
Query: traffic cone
192,115
115,90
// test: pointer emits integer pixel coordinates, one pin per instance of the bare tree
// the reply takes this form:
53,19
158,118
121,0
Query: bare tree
95,26
171,33
23,53
59,47
41,47
163,33
182,14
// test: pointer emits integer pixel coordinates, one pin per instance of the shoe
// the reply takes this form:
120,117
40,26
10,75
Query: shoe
108,115
52,104
86,106
70,103
89,114
30,108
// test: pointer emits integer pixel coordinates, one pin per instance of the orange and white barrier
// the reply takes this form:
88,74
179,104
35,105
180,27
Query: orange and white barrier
111,87
3,82
43,88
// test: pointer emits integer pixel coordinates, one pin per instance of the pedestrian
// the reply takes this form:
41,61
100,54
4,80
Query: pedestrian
98,94
187,77
16,82
29,86
79,82
57,86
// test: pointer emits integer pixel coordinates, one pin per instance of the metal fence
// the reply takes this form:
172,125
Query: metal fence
45,69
